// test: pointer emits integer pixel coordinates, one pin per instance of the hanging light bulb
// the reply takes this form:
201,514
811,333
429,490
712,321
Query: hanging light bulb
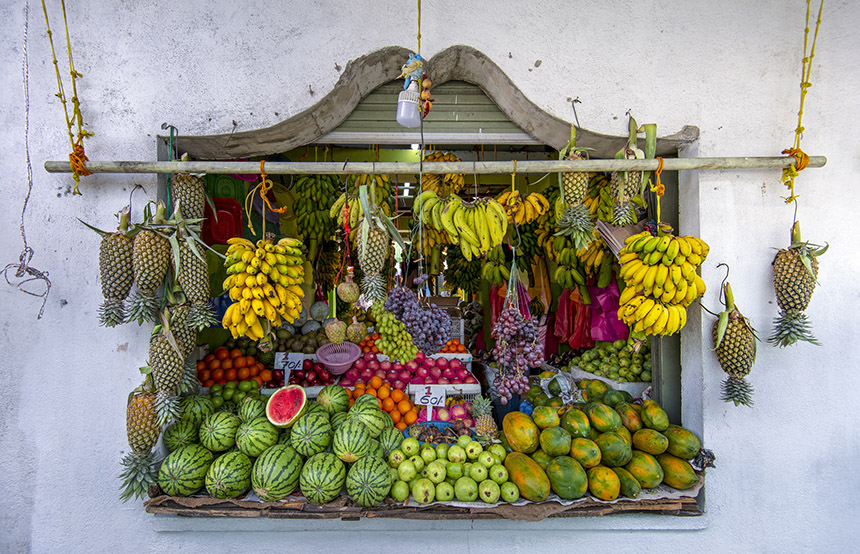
408,111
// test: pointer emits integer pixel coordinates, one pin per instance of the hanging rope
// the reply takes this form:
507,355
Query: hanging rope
264,186
78,156
659,188
22,268
801,158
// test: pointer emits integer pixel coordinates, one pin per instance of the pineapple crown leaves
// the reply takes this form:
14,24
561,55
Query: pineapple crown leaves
124,216
147,386
375,216
805,249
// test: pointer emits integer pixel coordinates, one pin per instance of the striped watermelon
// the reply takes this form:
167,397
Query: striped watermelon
311,434
183,471
368,481
375,449
218,431
322,478
195,408
390,439
334,399
255,436
370,416
251,409
351,441
276,473
389,422
182,433
338,419
317,408
365,399
229,476
284,437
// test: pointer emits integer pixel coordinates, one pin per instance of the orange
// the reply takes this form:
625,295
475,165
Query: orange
239,362
250,360
253,370
208,383
259,381
222,353
374,349
409,418
243,373
461,348
214,364
397,395
384,391
388,405
266,375
209,358
351,402
201,365
230,375
395,416
218,374
371,392
227,364
400,425
205,375
375,382
404,406
235,353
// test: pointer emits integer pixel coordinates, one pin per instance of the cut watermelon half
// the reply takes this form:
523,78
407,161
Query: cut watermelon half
286,405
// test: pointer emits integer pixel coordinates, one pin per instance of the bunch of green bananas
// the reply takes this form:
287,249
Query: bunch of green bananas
569,272
495,270
476,226
316,195
462,273
349,204
599,199
528,240
263,281
328,265
660,274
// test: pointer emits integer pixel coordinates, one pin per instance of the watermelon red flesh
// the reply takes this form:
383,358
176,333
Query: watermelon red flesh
286,405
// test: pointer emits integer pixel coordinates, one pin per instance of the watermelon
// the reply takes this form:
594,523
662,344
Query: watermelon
389,422
351,441
371,417
255,436
338,419
251,409
376,449
286,405
276,472
195,408
284,438
182,433
363,401
183,471
229,476
316,408
322,478
218,431
311,434
368,481
334,399
390,439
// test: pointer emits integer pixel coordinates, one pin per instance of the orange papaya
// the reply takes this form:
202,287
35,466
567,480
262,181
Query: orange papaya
585,451
603,418
567,478
629,416
614,450
528,476
683,443
650,441
596,387
654,417
521,432
603,483
630,487
677,473
545,416
625,434
555,441
645,468
576,423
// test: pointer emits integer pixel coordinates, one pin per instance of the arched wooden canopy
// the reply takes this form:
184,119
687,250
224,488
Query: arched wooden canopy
364,74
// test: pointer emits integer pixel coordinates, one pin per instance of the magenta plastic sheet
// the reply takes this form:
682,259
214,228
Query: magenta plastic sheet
605,325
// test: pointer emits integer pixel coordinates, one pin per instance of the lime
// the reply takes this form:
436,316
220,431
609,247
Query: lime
246,386
216,389
239,397
217,401
228,392
231,385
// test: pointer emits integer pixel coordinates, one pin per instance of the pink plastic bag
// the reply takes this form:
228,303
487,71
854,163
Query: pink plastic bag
605,324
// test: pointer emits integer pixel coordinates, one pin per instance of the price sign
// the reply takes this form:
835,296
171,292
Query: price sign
430,396
288,362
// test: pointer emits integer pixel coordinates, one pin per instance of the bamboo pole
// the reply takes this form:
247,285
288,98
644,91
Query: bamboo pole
401,168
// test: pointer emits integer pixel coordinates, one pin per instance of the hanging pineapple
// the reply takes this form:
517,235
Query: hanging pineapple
573,216
627,185
150,260
167,368
795,270
186,339
485,425
116,270
374,237
188,192
142,429
735,345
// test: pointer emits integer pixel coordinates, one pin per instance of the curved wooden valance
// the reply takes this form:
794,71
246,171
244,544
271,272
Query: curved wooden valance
364,74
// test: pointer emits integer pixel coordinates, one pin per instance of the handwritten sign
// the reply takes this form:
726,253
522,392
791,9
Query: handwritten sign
430,396
288,362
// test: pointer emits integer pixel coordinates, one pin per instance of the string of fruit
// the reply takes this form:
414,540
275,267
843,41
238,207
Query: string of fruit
461,273
316,196
442,185
429,326
264,284
522,208
627,186
516,350
494,269
795,273
735,345
476,226
661,280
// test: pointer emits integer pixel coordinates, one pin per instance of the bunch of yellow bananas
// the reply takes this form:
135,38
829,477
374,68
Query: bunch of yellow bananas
661,278
592,256
477,226
263,281
599,199
521,208
443,185
356,213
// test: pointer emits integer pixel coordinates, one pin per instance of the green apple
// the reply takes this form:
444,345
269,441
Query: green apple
428,453
499,474
454,469
436,471
406,471
424,491
400,491
466,489
457,454
418,462
478,472
441,453
486,459
410,446
489,491
510,492
444,491
396,457
473,449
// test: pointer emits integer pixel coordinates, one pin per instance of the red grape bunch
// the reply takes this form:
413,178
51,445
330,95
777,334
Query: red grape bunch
516,351
430,327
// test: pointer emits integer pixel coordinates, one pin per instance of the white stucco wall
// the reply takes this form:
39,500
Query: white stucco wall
786,478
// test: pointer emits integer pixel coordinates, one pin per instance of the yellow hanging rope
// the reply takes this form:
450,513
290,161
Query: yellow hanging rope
77,157
658,188
801,158
514,178
264,186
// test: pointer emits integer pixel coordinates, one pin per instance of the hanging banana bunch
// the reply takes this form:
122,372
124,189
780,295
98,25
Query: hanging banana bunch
599,200
476,226
442,185
521,208
495,270
462,273
316,198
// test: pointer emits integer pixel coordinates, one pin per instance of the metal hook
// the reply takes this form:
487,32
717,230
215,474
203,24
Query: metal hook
795,211
130,194
723,284
573,104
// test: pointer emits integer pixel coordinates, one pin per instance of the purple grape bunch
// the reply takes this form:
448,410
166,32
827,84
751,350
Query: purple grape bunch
430,327
516,351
